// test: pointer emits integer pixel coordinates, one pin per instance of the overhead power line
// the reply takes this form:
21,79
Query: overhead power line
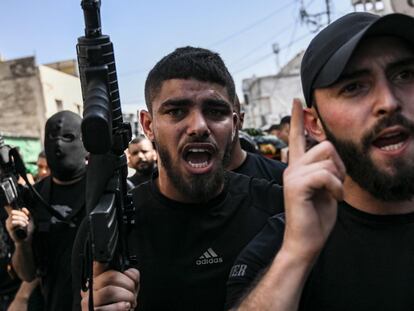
252,25
262,58
273,37
264,43
310,19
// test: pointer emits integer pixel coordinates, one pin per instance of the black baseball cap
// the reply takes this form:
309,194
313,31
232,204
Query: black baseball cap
329,52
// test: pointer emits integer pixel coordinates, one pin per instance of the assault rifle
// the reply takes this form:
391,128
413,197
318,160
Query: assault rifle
10,193
105,135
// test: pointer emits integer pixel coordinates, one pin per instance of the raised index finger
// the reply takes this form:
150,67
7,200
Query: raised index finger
297,142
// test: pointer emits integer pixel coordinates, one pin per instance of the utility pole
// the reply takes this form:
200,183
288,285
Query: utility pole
276,50
328,10
315,21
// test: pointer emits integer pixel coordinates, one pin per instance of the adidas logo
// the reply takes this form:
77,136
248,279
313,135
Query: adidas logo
209,257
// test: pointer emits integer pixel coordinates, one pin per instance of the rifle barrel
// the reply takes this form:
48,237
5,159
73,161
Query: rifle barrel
92,15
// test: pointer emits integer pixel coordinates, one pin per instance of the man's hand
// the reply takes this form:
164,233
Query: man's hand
312,187
112,290
19,219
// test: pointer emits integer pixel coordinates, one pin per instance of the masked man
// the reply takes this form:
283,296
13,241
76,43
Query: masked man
46,251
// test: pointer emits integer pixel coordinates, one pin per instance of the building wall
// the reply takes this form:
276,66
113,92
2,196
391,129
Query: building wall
61,91
20,98
267,99
383,7
270,98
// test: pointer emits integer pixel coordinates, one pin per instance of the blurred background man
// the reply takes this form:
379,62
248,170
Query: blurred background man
143,158
42,167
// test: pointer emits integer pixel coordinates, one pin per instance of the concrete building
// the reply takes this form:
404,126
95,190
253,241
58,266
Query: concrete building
267,99
383,7
31,93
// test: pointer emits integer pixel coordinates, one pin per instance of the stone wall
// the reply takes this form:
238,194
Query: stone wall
20,98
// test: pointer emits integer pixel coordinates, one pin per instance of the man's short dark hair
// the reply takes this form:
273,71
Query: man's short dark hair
188,63
137,140
42,154
285,120
273,127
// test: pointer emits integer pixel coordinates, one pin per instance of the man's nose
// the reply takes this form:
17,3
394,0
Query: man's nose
197,124
387,101
141,155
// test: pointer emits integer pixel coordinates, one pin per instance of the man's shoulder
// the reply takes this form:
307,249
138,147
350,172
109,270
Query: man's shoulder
261,193
42,182
240,182
145,186
259,166
254,259
262,249
270,162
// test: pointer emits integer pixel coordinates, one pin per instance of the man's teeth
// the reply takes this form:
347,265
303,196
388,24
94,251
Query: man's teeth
392,147
197,150
198,165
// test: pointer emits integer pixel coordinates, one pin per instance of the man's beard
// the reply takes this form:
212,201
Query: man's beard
360,167
145,168
199,188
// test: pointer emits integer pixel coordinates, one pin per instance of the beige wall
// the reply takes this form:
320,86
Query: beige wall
20,98
60,88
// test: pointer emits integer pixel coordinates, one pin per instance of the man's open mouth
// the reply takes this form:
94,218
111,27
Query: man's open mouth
198,156
58,153
391,140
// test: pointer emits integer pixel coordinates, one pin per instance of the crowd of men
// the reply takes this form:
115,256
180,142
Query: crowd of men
218,227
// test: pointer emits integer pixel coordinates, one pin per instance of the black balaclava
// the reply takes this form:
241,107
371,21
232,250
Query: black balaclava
64,149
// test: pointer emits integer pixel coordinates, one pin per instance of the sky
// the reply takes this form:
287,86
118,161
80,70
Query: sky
144,31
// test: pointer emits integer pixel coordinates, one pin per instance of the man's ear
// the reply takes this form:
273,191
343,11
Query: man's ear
145,119
235,125
241,120
313,124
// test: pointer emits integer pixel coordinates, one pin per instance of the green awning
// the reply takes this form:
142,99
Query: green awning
29,149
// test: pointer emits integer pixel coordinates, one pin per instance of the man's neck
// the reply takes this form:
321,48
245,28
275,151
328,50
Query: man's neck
360,199
144,173
238,156
66,182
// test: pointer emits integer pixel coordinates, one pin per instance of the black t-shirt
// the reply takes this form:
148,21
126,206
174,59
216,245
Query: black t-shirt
185,251
53,239
8,286
256,165
366,264
138,178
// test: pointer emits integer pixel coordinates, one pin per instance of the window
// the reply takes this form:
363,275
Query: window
78,109
59,105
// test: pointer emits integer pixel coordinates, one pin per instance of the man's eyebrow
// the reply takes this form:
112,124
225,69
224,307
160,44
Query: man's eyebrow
401,63
216,102
349,75
175,102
